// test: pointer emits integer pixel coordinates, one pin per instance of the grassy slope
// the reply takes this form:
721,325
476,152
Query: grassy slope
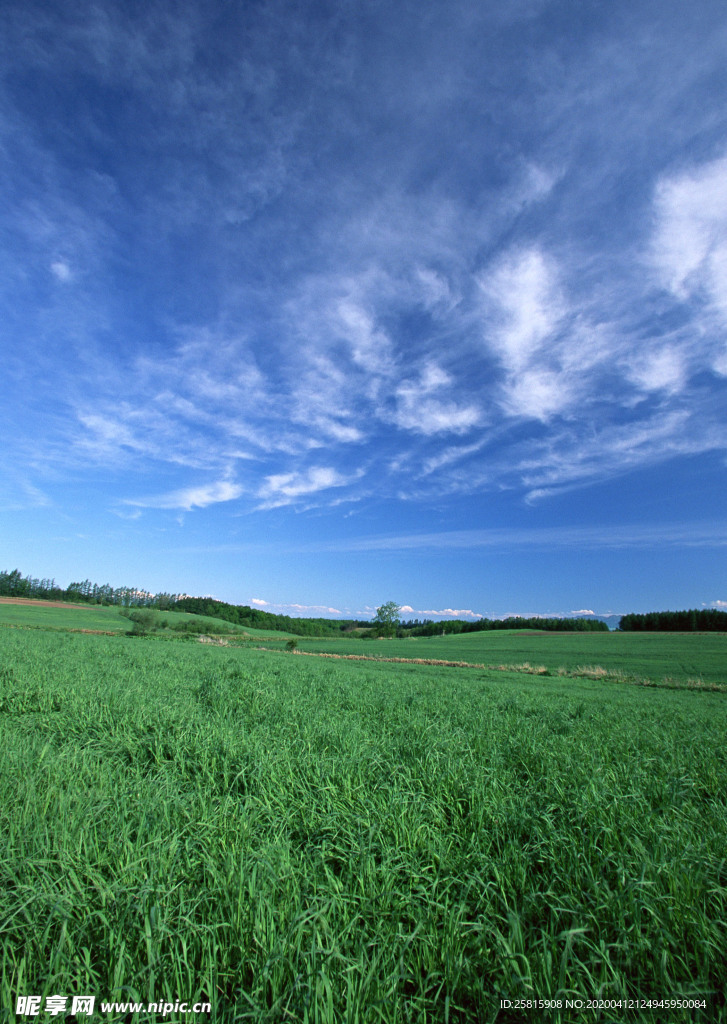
307,840
106,619
680,656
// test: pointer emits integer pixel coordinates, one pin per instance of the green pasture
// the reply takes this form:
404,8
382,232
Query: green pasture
678,656
67,617
108,619
305,840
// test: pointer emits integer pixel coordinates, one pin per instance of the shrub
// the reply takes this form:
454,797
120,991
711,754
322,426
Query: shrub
144,621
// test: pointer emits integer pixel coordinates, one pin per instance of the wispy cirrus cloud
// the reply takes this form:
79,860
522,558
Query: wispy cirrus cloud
689,250
188,498
420,408
696,534
704,534
285,488
524,290
21,496
689,247
417,267
660,369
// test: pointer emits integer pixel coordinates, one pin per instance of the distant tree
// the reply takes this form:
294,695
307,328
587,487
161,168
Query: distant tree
690,621
387,618
13,583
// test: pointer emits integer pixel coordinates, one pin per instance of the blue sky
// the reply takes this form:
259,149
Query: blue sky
324,305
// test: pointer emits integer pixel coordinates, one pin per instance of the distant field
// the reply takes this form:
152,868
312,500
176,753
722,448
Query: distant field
304,840
678,656
52,615
681,657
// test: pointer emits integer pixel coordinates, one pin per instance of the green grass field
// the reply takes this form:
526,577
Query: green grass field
677,656
108,619
66,617
299,839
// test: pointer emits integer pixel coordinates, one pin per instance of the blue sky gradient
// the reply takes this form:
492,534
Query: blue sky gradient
323,305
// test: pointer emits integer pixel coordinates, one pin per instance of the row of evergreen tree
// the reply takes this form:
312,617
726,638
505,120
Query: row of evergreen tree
695,620
14,584
429,628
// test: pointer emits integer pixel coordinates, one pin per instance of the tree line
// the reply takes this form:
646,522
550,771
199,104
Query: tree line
14,584
256,618
695,620
430,628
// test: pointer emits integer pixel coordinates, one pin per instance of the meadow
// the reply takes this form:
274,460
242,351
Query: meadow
302,839
658,657
107,619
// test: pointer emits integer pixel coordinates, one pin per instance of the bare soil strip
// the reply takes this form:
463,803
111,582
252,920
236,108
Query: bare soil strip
47,604
403,661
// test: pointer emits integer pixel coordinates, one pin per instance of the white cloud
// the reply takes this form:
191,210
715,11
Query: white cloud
296,610
212,369
373,278
539,183
571,458
689,255
417,410
661,369
537,394
583,611
338,431
283,488
690,242
22,495
436,291
523,289
453,613
450,455
61,270
188,498
321,393
370,346
336,318
548,350
108,433
134,514
305,609
121,431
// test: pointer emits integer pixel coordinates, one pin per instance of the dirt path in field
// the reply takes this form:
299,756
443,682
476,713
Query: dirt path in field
46,604
402,661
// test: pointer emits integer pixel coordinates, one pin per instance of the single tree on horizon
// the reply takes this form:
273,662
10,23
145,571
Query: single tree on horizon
387,618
